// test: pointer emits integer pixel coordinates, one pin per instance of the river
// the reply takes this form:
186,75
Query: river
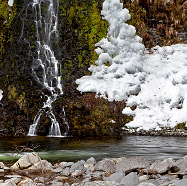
73,149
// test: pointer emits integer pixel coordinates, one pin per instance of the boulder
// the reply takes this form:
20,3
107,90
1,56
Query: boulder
26,161
107,165
133,163
162,166
97,183
91,161
117,177
41,165
132,179
182,164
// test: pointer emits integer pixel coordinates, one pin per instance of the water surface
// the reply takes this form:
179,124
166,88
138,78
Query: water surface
73,149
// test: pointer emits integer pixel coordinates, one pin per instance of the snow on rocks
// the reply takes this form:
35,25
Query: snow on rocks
128,172
117,71
156,82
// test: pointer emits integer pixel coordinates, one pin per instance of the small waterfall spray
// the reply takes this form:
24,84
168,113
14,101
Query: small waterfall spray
46,69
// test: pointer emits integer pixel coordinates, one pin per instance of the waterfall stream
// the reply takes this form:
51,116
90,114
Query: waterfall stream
46,68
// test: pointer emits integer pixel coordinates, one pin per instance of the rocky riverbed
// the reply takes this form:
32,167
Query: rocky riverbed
31,170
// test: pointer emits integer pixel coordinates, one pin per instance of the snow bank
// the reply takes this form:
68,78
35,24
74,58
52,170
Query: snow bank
1,94
116,74
162,101
156,83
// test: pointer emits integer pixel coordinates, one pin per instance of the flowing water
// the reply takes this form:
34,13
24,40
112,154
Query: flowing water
46,68
73,149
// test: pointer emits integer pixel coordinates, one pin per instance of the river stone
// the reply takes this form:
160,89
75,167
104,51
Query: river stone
91,161
66,171
106,165
89,167
2,165
182,164
41,165
163,166
146,184
8,183
143,178
132,179
66,164
78,166
27,182
97,183
177,182
26,161
130,164
117,177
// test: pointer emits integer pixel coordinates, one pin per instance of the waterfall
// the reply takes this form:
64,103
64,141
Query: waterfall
46,68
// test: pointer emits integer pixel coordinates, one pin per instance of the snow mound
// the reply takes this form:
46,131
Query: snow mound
117,73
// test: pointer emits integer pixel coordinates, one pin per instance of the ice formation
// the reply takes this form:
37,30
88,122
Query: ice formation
117,73
10,2
1,94
156,83
162,101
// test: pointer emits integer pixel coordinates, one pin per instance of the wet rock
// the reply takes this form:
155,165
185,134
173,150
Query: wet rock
130,164
26,161
162,166
131,179
117,177
107,165
97,183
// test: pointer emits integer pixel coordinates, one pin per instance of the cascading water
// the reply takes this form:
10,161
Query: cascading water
46,69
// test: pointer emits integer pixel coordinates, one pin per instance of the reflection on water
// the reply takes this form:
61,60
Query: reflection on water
73,149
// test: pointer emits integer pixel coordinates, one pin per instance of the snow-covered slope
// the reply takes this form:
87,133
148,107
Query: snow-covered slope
155,82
